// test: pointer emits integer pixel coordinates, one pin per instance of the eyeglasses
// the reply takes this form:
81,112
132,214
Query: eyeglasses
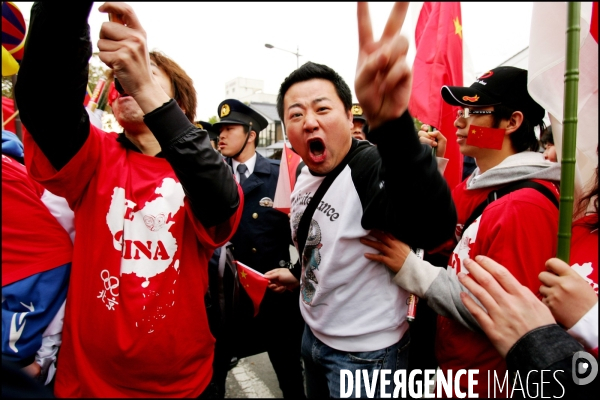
466,112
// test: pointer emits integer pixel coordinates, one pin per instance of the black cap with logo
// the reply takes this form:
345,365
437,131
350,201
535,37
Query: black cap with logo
502,85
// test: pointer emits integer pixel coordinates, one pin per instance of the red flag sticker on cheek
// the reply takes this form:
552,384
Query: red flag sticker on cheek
485,138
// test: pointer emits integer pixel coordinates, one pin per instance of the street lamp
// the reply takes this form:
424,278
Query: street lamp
297,54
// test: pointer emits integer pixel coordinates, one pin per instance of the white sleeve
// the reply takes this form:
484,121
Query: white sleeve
441,164
59,207
586,329
51,341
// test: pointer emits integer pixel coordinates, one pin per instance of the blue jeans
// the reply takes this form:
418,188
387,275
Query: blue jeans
322,365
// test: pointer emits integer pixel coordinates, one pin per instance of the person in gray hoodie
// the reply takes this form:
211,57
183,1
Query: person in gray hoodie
507,210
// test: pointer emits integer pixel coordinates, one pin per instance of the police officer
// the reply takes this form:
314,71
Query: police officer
262,242
360,128
213,133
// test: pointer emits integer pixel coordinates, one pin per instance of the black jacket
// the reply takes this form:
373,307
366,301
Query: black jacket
550,354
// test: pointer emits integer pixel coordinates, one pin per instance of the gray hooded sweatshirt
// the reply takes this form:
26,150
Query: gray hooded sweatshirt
441,287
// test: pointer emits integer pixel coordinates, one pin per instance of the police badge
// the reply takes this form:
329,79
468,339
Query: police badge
266,202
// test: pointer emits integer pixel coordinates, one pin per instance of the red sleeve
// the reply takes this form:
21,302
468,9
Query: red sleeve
519,231
71,181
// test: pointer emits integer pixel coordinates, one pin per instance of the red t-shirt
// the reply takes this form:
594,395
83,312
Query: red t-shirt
584,249
584,253
519,231
32,239
135,322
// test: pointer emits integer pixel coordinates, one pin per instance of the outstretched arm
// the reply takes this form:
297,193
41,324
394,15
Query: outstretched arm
57,50
413,187
206,179
437,285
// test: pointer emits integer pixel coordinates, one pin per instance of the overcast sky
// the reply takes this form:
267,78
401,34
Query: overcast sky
217,42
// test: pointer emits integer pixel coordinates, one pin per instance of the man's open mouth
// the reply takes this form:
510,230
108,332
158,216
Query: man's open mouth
316,147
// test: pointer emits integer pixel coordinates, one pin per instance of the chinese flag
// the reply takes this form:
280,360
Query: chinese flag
439,62
546,80
485,138
254,283
286,180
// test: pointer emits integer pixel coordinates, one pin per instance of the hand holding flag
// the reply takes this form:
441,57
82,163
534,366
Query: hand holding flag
254,283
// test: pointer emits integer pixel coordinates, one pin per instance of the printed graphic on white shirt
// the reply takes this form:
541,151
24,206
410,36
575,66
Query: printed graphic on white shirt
311,258
147,246
463,248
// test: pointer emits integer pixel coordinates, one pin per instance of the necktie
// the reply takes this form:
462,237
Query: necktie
241,168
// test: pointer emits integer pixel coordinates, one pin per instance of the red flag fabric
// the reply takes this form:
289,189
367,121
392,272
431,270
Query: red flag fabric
546,80
8,111
594,21
286,180
485,138
86,100
254,283
439,62
293,160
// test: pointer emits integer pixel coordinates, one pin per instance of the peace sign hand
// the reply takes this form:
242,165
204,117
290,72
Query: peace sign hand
383,76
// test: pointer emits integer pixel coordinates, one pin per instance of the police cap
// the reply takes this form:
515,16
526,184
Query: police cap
213,133
357,112
232,111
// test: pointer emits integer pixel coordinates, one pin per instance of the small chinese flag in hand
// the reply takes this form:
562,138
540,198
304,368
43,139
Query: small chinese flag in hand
254,283
485,138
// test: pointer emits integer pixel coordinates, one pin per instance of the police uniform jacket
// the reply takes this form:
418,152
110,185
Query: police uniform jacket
263,237
262,242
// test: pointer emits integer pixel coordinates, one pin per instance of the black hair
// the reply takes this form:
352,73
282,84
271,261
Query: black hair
247,130
547,137
523,139
310,71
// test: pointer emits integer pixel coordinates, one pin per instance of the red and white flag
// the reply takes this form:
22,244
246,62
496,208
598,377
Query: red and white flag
286,180
439,62
254,283
547,52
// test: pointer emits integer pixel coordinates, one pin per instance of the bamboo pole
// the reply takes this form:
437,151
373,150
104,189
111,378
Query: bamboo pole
567,177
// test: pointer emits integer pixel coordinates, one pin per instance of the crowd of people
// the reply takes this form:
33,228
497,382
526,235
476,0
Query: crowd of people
143,304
